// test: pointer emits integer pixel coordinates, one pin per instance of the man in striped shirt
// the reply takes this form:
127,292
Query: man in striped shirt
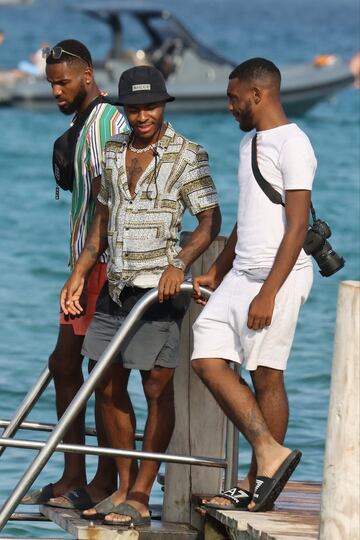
70,73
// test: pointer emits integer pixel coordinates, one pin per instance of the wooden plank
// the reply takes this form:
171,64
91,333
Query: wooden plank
207,421
81,529
269,525
177,477
195,433
296,516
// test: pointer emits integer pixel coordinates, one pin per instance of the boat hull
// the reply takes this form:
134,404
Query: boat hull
303,86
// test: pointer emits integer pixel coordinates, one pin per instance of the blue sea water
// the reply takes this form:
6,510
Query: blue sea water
34,227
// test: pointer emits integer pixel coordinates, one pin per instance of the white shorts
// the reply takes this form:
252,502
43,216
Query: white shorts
221,329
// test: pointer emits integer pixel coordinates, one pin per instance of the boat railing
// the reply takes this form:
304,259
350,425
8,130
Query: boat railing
46,449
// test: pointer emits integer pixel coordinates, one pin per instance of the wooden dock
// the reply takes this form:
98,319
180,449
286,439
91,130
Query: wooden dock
296,516
82,529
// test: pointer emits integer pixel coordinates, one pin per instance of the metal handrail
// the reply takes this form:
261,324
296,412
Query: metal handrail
232,447
26,405
40,426
117,452
79,401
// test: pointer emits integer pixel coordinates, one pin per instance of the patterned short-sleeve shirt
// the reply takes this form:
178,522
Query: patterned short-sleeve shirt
143,230
104,121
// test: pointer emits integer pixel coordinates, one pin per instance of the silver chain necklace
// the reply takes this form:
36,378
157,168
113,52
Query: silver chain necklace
141,150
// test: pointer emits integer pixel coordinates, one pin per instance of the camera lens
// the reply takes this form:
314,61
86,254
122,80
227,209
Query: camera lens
328,260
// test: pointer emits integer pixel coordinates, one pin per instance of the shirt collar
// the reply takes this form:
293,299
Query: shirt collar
167,137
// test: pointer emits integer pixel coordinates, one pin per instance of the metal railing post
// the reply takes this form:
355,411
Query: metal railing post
230,433
27,404
39,426
79,400
232,455
232,449
235,458
235,449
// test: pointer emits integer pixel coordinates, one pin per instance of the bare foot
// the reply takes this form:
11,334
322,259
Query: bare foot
78,498
116,498
61,487
267,467
123,518
57,500
61,499
243,484
274,458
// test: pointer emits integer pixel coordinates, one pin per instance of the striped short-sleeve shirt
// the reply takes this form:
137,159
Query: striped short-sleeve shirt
104,121
143,230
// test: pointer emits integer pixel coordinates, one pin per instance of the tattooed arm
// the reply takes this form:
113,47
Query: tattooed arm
200,239
96,243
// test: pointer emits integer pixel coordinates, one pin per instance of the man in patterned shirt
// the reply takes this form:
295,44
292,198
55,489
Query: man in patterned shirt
150,177
70,73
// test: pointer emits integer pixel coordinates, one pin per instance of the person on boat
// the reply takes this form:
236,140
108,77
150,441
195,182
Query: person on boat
70,73
355,69
36,65
261,279
8,76
150,177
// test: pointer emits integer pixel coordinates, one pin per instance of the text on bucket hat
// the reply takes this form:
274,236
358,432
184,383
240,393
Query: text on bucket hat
142,84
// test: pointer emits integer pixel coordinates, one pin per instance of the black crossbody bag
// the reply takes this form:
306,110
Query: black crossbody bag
64,149
315,242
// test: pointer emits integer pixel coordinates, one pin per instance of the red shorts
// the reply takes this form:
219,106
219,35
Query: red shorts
95,283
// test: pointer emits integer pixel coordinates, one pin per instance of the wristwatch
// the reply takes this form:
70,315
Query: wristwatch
178,263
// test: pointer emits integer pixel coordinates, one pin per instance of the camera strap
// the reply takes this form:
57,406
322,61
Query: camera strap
266,187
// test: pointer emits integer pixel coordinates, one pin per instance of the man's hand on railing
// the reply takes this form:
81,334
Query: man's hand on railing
208,280
169,284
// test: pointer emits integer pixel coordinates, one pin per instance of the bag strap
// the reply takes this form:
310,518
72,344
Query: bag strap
71,136
83,116
266,187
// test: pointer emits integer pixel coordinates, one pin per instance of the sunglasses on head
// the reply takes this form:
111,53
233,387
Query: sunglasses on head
57,52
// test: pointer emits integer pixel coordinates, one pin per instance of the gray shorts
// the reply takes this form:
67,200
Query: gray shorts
154,340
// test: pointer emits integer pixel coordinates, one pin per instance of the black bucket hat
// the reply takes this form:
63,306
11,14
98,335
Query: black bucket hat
142,84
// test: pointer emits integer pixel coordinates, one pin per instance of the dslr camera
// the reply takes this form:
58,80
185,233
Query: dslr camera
316,244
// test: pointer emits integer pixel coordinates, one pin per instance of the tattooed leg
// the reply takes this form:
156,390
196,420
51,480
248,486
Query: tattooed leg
234,397
239,404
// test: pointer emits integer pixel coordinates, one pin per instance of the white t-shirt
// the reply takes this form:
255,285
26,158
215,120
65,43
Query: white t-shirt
287,161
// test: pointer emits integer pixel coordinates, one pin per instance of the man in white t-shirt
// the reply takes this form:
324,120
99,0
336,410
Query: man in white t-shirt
261,279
